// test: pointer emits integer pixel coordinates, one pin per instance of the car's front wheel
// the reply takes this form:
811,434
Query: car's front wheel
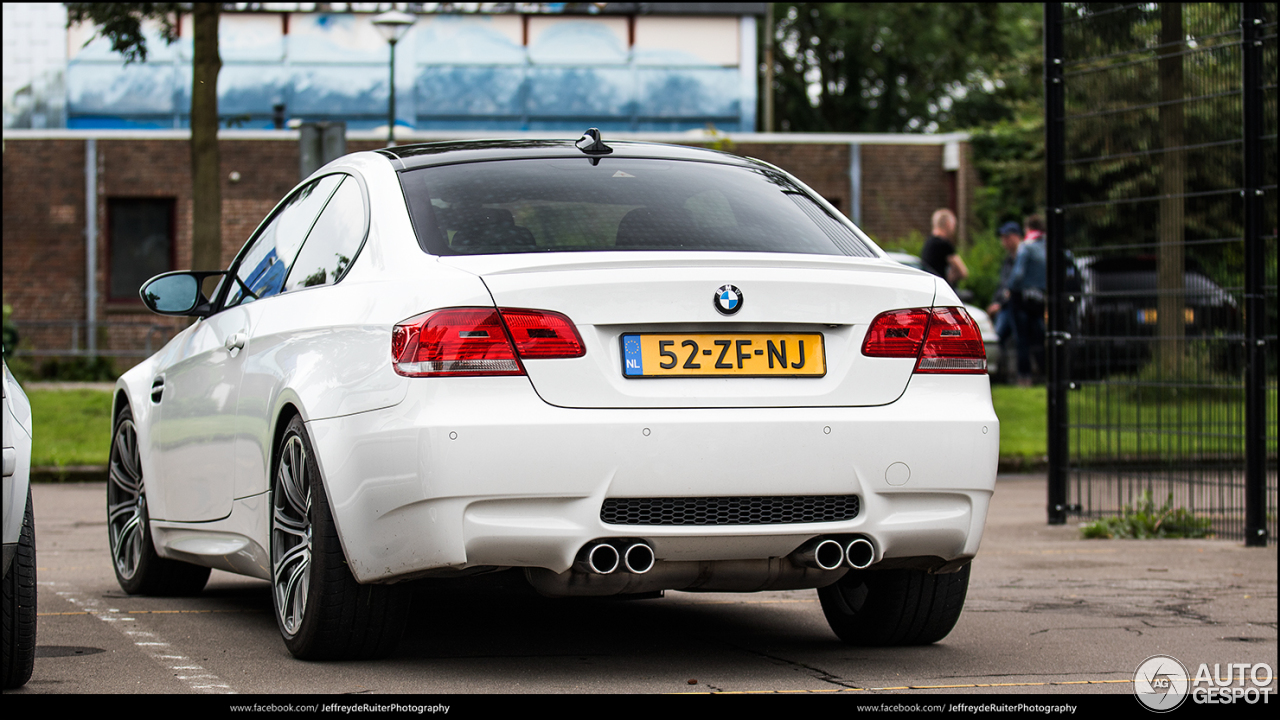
322,612
19,628
894,607
139,570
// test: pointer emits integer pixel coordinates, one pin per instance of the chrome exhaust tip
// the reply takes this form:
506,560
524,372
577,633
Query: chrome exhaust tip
860,553
639,558
600,558
821,554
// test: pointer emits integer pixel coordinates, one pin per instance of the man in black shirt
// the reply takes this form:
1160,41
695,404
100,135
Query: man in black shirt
939,252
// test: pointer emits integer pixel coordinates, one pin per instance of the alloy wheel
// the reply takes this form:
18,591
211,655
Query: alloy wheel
291,535
126,502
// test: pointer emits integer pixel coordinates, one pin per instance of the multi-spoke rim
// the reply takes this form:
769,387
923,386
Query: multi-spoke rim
126,503
291,535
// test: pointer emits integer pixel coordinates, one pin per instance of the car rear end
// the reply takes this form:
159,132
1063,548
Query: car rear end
694,375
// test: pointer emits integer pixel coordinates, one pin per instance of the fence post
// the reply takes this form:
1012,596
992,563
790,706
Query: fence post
1255,382
1055,244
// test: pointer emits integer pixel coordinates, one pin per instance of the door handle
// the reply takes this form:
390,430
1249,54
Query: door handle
235,341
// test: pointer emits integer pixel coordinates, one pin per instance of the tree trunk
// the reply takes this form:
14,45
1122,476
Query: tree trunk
206,163
1171,262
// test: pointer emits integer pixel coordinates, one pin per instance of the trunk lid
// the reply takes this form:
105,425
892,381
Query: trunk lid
609,295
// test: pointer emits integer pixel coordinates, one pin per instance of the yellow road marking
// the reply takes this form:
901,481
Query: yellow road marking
916,687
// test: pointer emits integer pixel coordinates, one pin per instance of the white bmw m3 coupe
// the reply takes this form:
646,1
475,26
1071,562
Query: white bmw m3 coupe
613,369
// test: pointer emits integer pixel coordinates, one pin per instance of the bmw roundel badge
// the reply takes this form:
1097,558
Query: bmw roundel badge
728,300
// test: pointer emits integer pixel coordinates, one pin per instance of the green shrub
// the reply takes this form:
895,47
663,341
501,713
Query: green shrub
1197,375
911,243
79,369
983,257
10,333
1146,522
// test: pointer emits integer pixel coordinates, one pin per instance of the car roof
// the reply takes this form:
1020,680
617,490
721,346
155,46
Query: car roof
412,157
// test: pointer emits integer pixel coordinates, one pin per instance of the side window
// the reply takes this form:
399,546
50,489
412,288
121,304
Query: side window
333,242
264,263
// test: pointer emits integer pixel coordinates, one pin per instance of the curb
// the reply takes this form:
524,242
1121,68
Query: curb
69,473
1022,464
56,385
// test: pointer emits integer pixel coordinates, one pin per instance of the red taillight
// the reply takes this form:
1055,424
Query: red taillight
896,334
542,334
944,340
954,344
475,341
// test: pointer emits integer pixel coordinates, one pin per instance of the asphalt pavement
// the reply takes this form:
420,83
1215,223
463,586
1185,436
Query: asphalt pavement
1047,613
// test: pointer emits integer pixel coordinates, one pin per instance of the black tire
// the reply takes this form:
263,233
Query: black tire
139,570
19,615
322,612
883,608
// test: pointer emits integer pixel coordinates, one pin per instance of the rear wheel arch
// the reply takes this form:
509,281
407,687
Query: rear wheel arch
118,404
321,610
284,415
287,412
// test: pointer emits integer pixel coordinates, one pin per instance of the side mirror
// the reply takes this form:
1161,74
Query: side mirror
178,293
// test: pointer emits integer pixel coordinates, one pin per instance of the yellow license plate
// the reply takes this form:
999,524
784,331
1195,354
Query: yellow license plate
646,355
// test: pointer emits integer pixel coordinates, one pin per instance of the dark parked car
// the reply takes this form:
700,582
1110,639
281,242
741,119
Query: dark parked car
1114,320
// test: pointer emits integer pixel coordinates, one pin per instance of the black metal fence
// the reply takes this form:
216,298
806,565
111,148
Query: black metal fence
1161,153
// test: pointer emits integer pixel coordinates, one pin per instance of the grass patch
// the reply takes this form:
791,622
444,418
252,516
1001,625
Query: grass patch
1023,421
1146,522
73,427
1118,420
70,427
1115,421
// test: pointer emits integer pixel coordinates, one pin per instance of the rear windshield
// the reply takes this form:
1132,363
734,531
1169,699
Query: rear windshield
571,205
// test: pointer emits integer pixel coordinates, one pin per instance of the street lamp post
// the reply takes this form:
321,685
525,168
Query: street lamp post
393,24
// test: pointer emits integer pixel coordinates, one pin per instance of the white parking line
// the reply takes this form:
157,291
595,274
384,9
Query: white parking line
154,645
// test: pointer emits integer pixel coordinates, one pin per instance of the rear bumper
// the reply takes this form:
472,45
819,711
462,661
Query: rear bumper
479,472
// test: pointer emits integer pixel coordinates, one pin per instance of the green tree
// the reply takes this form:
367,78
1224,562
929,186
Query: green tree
1154,112
121,23
903,67
925,67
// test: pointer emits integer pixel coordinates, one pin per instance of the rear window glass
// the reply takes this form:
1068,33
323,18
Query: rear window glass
571,205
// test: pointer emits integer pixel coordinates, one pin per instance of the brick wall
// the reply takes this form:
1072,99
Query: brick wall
43,246
44,206
824,168
901,187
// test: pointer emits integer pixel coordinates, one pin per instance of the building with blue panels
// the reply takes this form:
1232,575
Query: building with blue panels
638,67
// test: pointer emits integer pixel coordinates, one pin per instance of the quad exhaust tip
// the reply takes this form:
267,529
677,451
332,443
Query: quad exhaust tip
834,553
603,557
600,558
860,553
639,558
822,554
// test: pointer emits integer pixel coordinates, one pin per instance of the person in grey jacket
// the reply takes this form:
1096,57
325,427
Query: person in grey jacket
1027,285
1001,309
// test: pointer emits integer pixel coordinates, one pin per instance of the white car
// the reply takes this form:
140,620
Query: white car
614,370
19,585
